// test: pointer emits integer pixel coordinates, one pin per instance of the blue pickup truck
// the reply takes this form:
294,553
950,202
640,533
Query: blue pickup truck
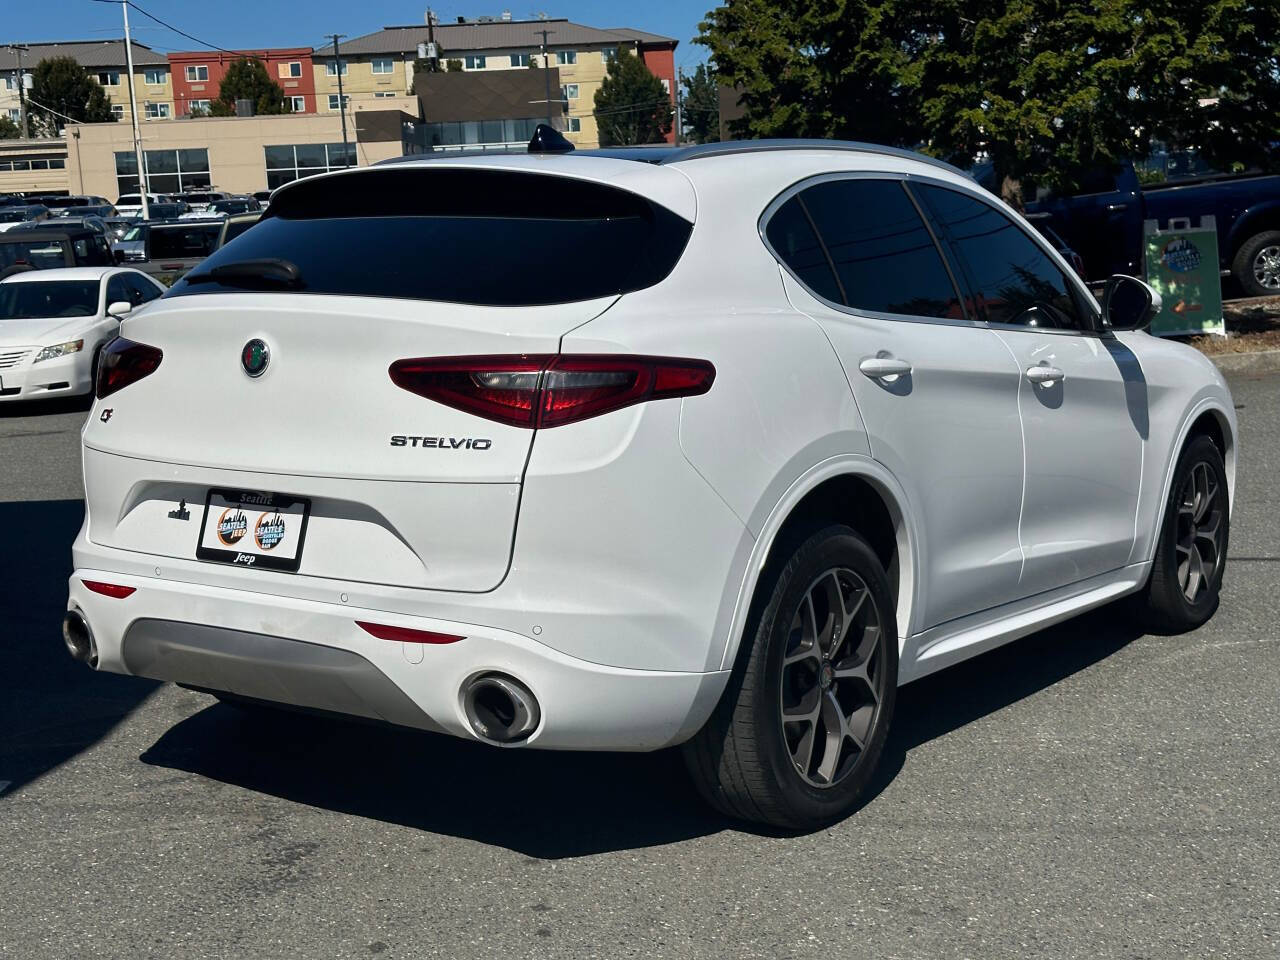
1103,222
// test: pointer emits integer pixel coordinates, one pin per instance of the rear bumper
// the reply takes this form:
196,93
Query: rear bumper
312,654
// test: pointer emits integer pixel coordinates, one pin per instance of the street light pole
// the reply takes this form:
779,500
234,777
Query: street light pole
133,114
342,107
19,49
546,72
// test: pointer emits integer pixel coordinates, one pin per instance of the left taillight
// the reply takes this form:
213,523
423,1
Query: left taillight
124,362
537,391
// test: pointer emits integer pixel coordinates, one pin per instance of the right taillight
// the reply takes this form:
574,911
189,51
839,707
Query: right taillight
124,362
538,391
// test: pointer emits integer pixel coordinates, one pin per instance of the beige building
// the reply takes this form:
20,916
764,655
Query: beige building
233,154
103,59
379,64
33,166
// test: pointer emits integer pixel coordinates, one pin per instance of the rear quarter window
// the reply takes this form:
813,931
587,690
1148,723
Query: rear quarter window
484,237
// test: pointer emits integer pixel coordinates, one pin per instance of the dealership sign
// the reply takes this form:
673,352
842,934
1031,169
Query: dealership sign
1182,266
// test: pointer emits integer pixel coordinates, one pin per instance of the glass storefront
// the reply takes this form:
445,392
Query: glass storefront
290,162
168,171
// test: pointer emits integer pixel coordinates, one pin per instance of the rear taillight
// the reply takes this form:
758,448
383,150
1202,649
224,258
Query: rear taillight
406,634
114,590
124,362
540,391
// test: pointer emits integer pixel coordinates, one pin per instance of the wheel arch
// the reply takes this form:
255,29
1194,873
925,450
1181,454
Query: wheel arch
1257,219
854,490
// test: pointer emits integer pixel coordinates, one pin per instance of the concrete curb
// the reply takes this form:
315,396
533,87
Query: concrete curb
1259,361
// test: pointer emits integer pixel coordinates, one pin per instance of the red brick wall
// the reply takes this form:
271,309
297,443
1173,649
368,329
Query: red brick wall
660,59
185,90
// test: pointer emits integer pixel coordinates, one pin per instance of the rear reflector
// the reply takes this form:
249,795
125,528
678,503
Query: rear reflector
541,390
405,635
109,589
124,362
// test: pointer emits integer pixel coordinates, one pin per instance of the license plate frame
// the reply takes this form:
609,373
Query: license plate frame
255,505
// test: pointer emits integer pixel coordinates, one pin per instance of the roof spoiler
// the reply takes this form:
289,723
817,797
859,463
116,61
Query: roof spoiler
547,139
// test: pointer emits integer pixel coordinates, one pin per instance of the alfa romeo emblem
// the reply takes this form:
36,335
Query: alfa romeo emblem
254,357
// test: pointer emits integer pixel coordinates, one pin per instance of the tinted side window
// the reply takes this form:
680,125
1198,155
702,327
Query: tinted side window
117,290
143,291
884,256
1013,280
791,235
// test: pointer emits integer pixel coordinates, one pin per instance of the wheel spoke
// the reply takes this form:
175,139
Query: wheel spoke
803,753
836,731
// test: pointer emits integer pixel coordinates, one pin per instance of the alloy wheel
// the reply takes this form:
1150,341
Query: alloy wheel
1201,509
1266,267
832,677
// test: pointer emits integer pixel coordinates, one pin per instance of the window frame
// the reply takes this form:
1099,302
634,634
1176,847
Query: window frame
960,290
567,58
192,72
389,61
294,105
1084,300
332,67
157,110
475,61
344,101
160,73
564,91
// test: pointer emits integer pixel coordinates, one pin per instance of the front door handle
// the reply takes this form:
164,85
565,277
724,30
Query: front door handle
1044,375
880,368
1117,207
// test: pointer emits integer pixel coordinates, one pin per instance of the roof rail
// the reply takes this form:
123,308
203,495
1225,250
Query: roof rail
724,147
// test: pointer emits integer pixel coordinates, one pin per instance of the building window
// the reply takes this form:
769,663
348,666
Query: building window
156,76
10,83
566,57
459,134
383,94
573,124
290,162
666,86
569,91
474,61
519,59
197,74
157,111
198,107
109,78
331,69
168,171
383,65
296,104
333,101
117,111
291,68
609,54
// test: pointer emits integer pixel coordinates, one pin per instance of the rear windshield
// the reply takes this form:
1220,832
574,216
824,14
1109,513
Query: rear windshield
38,253
195,240
47,299
484,237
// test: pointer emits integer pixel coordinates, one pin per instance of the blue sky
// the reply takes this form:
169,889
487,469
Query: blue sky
274,23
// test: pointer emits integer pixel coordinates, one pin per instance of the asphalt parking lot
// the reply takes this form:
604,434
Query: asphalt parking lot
1085,792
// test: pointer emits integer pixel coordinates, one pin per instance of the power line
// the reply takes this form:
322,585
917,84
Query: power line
182,33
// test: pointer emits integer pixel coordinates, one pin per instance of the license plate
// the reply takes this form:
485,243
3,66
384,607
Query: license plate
249,528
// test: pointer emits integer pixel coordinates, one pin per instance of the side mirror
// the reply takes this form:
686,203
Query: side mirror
120,309
1128,303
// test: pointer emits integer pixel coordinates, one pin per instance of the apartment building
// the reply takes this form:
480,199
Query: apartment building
380,65
197,77
105,60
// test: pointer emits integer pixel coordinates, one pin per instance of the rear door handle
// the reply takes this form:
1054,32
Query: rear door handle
1044,375
1114,207
880,368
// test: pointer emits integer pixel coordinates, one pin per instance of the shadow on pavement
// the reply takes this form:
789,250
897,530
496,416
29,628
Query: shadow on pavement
554,805
51,707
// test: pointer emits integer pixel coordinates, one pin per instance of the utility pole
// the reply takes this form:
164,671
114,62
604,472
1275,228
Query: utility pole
679,119
19,49
433,54
342,106
133,113
546,72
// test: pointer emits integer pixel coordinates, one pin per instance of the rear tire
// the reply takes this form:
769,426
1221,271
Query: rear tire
820,648
1257,264
1191,554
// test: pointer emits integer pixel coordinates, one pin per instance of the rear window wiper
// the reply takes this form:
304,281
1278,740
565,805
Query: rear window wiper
269,271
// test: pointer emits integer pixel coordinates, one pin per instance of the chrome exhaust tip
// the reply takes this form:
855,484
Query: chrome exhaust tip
500,709
79,638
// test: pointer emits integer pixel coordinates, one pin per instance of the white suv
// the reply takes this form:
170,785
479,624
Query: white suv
711,446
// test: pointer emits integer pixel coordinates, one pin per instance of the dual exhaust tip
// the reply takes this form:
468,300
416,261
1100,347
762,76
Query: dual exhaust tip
79,638
500,709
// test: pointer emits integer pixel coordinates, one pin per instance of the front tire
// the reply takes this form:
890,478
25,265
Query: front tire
1191,554
799,731
1257,264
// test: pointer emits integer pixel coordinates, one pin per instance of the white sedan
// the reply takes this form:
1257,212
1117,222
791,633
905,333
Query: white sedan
53,324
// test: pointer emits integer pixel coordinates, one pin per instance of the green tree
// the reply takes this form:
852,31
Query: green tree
1044,88
701,108
630,105
59,85
247,80
9,130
